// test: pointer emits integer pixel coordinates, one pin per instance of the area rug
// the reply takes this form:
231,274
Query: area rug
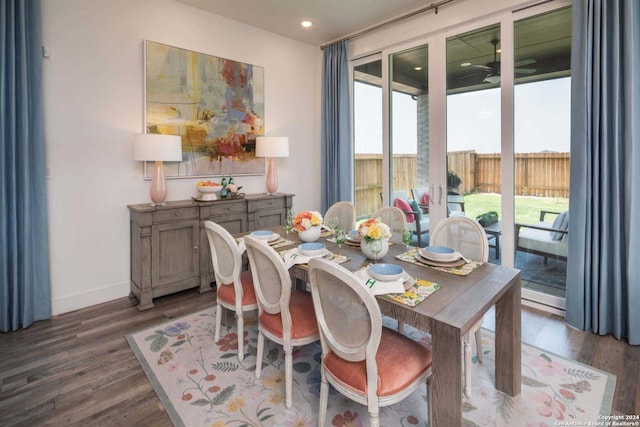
202,383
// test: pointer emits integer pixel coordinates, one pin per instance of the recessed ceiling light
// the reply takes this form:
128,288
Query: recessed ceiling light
498,50
306,24
417,68
465,64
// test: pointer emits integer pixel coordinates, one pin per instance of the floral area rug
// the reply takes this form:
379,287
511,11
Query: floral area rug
202,383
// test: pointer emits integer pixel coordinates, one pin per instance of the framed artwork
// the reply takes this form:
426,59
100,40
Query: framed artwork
216,105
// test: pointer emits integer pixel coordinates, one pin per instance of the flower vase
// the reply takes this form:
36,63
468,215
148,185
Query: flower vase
311,234
365,247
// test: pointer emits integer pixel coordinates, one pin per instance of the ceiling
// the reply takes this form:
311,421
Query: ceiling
332,19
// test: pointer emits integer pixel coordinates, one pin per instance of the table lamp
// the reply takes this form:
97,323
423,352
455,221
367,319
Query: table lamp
272,146
158,148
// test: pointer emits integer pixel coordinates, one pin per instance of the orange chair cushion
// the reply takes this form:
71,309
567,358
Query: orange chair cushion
227,293
400,361
303,317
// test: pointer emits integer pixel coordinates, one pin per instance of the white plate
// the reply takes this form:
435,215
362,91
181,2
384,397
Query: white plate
325,254
456,263
274,237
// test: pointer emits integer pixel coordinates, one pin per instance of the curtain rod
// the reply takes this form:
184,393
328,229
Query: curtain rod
392,21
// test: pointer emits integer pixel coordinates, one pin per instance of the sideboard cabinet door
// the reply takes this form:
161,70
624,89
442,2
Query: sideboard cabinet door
175,256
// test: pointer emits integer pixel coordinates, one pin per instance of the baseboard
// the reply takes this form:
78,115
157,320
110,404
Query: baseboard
66,303
543,307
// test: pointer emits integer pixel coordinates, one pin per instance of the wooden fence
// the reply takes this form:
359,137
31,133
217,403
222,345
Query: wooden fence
536,174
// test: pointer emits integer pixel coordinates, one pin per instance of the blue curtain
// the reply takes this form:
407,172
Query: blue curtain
337,154
603,272
24,258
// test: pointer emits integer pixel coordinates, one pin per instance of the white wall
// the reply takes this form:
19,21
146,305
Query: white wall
94,105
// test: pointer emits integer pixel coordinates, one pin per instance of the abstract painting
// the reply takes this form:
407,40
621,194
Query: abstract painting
216,105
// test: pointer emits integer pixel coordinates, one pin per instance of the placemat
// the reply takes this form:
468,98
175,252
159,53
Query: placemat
463,270
414,296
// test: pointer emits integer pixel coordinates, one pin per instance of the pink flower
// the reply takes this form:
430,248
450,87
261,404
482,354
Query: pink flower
547,366
549,407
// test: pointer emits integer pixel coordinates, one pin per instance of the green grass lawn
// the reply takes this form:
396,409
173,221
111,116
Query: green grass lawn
527,208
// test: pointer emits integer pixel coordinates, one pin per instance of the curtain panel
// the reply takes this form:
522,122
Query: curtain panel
24,258
603,271
337,154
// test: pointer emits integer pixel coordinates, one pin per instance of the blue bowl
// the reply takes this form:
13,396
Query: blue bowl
262,234
312,249
354,235
386,272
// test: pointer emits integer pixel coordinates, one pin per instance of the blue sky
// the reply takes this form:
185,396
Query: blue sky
542,119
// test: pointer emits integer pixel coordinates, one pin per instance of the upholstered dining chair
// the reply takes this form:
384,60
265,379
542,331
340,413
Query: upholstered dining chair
345,211
285,317
366,362
395,219
234,287
466,236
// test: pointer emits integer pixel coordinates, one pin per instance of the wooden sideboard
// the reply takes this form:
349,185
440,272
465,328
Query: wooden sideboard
169,246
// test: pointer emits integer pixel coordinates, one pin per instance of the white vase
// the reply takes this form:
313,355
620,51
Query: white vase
309,235
366,250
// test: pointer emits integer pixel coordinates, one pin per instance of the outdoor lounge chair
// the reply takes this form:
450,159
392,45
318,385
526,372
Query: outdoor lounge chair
547,239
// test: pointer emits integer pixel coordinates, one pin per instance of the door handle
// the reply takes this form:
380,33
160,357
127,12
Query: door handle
440,194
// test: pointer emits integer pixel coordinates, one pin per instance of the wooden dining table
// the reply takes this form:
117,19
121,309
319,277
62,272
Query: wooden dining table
447,315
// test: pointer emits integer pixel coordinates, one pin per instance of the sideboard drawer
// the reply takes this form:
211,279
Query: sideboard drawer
226,209
176,214
275,203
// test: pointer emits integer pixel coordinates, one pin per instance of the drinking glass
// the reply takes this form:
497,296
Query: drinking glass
376,248
288,222
407,238
334,223
341,236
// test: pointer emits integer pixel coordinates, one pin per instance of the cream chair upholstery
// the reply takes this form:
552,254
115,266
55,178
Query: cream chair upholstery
466,236
395,219
365,362
345,211
234,287
285,317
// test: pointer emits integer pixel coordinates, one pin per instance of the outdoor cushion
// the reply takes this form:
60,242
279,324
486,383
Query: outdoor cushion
560,223
416,208
425,199
403,205
540,240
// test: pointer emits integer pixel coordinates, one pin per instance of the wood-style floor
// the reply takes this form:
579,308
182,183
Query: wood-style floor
78,369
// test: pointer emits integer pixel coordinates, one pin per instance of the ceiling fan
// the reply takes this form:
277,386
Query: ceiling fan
493,68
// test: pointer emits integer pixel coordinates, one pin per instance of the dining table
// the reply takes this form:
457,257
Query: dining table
448,314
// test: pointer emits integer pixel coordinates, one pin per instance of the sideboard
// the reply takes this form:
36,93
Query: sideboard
169,246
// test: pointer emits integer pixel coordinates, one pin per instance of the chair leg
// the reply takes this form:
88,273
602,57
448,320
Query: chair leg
467,365
218,322
240,327
259,353
479,345
288,380
324,399
374,419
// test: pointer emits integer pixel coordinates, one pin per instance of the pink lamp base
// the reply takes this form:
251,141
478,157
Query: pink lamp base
158,184
272,177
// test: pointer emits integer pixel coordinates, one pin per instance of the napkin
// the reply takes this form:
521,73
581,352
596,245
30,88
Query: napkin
294,256
379,287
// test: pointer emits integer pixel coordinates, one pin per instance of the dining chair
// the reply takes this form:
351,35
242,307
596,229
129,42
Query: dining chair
234,288
285,317
366,362
467,237
395,219
345,211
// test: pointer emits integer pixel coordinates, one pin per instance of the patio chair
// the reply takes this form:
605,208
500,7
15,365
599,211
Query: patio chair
421,196
547,239
395,219
417,222
345,212
234,288
466,236
366,362
285,317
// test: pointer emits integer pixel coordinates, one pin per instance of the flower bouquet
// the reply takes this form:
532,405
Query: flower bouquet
307,224
375,235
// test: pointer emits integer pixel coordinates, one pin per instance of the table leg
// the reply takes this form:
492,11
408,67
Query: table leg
508,340
497,246
446,409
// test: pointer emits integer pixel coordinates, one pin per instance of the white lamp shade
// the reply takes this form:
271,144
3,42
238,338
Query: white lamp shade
272,146
154,147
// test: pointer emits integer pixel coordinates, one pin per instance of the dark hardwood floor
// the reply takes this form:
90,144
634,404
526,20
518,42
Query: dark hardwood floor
77,368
